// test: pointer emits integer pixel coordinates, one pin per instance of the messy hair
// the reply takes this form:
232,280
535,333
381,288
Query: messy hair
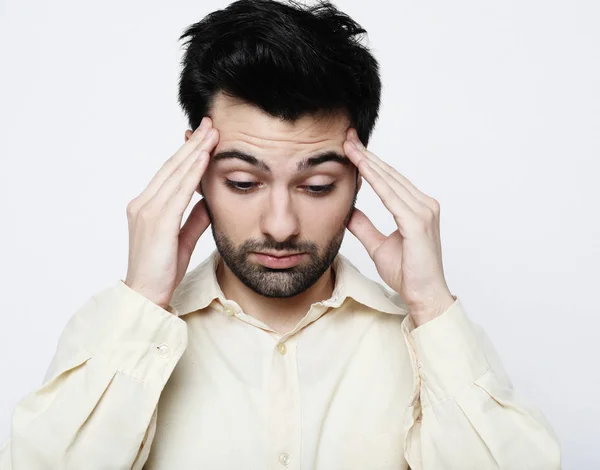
287,59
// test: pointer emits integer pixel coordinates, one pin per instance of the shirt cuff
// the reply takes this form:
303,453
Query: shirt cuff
448,353
137,336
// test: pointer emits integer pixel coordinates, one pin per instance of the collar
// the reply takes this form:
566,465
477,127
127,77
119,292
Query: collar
199,288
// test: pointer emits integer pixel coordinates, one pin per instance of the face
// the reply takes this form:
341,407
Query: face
264,193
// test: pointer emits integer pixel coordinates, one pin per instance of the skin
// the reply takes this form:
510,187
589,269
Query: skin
280,214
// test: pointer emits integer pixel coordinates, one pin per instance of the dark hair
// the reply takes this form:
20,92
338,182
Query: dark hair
289,60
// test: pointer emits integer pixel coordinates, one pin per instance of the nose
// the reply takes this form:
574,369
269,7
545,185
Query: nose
279,219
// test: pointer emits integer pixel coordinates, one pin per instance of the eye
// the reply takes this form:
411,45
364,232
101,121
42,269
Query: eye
240,186
321,190
247,186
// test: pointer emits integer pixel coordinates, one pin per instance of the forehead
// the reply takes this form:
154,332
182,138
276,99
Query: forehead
245,127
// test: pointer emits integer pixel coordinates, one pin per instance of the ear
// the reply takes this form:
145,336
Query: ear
188,134
358,180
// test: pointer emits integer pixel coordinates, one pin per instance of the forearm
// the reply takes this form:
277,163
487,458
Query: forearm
467,414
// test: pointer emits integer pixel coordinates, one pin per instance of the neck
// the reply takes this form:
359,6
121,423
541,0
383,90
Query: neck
281,314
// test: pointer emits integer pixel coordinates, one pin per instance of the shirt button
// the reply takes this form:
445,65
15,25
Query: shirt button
281,347
229,310
163,350
284,459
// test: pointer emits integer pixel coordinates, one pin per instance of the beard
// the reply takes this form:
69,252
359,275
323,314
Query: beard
278,283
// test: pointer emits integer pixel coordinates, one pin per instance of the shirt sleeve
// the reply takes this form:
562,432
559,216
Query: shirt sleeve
96,407
464,413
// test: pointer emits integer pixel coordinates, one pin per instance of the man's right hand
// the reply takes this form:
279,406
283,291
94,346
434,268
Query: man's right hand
159,247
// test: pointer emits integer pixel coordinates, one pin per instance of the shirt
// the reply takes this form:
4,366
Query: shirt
202,385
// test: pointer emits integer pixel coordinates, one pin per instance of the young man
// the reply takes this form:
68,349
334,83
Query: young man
276,352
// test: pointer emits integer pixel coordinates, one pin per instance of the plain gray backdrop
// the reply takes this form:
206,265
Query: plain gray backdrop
492,108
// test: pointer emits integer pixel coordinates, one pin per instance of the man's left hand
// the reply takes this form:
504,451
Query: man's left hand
409,260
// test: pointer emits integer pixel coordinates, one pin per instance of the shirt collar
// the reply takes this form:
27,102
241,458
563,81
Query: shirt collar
200,287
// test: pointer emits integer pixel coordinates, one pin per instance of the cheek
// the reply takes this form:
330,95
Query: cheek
322,218
235,216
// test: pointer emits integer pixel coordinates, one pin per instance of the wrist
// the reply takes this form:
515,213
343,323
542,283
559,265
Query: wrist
163,300
422,314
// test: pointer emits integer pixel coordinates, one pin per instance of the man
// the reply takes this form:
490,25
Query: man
276,352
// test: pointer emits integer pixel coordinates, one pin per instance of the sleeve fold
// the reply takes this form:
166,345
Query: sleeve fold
466,414
96,408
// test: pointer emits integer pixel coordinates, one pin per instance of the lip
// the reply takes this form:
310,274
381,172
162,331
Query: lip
278,262
276,255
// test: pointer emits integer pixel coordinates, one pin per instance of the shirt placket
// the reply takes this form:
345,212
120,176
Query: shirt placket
284,407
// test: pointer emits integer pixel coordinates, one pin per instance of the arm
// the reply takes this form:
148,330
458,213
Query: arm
465,414
96,407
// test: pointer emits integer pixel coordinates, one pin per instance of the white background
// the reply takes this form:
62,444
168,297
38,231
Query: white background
492,109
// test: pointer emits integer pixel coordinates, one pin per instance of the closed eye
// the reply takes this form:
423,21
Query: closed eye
247,186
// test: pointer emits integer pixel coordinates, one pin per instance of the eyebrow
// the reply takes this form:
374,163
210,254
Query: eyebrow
309,162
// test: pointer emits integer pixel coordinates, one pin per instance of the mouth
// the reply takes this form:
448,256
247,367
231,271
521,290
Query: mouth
277,261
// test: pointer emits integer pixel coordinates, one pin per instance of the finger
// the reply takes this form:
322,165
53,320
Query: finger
403,214
196,224
191,146
172,184
182,195
401,179
363,229
401,190
418,205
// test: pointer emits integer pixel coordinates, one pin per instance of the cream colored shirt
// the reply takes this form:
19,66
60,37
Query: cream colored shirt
202,385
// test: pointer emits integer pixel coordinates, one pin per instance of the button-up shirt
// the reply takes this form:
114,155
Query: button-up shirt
203,385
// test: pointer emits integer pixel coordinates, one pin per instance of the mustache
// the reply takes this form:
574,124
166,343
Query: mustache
274,245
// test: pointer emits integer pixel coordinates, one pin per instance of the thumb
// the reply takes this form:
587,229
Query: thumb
195,225
362,228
